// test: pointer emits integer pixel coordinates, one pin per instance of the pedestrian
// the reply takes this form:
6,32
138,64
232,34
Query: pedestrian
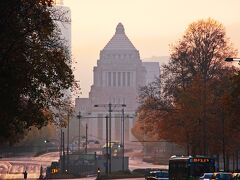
25,174
98,173
41,173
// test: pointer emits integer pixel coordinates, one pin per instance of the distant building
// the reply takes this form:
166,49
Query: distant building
65,34
117,77
65,27
152,71
162,60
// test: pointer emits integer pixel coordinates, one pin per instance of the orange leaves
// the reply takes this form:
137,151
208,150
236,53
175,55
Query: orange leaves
193,103
146,126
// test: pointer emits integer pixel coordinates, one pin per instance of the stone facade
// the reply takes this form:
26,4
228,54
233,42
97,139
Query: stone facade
118,75
152,71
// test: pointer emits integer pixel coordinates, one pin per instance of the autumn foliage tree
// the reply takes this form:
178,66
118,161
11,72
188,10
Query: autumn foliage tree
195,91
34,65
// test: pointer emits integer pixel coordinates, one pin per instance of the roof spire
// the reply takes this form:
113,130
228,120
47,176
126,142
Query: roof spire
120,41
120,29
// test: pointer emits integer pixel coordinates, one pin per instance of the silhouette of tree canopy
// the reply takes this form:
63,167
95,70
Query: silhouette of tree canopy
34,65
187,100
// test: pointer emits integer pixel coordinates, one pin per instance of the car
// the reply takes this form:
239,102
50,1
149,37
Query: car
236,176
157,175
151,175
162,175
206,176
147,172
223,176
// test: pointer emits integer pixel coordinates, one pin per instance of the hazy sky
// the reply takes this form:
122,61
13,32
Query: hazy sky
151,25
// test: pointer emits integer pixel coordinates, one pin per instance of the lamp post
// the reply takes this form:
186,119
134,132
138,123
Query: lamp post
79,127
123,139
86,147
63,153
107,143
68,140
60,144
110,108
79,116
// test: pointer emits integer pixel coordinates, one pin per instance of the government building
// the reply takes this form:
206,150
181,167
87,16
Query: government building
117,77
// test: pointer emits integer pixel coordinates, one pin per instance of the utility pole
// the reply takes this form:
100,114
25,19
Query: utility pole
79,127
110,136
68,141
61,144
86,138
107,144
223,142
123,139
110,127
63,152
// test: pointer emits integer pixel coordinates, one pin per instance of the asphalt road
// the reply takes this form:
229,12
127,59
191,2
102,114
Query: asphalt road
94,178
12,168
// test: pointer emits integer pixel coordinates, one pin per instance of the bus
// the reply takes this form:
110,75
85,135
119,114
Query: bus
188,167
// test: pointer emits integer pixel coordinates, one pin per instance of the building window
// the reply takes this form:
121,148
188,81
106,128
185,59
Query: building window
119,79
128,79
109,79
124,79
114,79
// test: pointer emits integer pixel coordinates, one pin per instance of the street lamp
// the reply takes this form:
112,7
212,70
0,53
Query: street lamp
109,128
123,131
68,118
45,142
79,127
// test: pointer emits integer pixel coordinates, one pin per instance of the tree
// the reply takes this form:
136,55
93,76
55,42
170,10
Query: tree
188,83
201,52
34,66
36,137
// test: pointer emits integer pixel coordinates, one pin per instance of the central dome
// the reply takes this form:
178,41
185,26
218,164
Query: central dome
119,41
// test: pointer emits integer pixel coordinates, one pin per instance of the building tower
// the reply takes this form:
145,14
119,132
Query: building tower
117,77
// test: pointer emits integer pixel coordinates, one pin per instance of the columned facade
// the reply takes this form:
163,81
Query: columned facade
117,77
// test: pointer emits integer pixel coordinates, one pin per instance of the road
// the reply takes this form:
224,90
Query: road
136,162
94,178
12,168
